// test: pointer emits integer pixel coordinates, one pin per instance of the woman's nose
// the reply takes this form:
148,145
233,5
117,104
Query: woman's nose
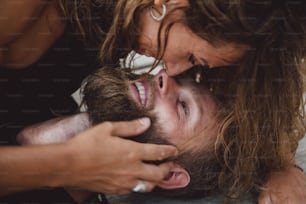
176,68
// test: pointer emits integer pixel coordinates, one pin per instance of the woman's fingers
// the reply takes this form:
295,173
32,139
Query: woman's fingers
151,152
155,173
129,128
156,152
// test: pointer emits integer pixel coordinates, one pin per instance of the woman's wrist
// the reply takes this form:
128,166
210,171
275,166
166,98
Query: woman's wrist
66,159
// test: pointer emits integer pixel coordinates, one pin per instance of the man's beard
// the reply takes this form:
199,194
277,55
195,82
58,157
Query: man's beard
106,98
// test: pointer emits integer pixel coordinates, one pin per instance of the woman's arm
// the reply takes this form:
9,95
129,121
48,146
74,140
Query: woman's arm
28,167
17,17
21,26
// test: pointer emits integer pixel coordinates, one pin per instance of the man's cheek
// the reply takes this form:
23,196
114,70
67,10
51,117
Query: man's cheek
167,119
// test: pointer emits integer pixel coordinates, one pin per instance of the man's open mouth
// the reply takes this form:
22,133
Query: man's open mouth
140,92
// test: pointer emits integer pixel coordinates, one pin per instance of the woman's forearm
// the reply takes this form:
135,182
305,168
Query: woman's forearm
28,167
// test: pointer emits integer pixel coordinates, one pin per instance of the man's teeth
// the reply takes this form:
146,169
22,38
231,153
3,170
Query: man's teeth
141,91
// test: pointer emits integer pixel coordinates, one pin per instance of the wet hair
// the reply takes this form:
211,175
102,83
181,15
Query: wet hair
265,121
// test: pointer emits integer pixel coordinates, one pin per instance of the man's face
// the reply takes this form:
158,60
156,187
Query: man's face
182,113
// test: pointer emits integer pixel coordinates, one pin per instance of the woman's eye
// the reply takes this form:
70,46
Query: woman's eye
192,59
197,61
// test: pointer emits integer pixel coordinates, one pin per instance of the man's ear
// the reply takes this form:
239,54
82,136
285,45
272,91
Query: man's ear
178,178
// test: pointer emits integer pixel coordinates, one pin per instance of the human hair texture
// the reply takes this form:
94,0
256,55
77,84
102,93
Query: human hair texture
95,94
124,32
259,135
267,118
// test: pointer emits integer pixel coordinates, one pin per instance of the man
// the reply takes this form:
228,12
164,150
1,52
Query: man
183,114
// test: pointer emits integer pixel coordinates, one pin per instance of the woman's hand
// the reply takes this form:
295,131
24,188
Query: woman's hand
102,161
99,159
285,187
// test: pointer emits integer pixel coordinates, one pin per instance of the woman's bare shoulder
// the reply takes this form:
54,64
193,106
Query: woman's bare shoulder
18,15
21,25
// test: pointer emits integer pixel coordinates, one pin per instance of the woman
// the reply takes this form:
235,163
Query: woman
29,35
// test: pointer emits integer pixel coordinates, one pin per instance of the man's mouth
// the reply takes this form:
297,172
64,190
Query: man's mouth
140,92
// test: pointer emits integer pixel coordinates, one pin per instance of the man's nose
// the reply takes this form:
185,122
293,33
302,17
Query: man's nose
166,85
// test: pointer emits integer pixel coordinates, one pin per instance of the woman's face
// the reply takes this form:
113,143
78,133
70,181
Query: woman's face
184,48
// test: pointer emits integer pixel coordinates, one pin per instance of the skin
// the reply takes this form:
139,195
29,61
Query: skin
181,110
32,24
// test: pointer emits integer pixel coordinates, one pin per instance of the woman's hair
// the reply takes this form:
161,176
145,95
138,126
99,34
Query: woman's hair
265,121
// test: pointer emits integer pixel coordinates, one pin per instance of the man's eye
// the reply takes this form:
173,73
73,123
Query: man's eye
183,105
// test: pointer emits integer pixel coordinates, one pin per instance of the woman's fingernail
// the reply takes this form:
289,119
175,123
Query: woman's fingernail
168,176
145,121
176,152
